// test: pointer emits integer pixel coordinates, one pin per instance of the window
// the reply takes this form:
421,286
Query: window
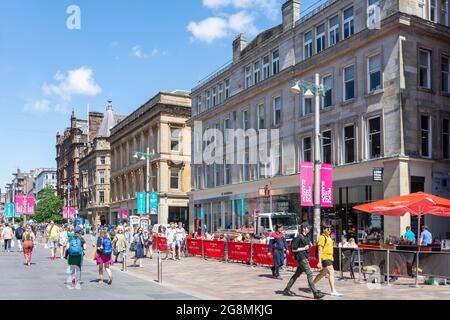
444,12
433,15
199,104
214,97
326,147
256,72
276,159
349,144
248,77
220,93
374,137
175,140
425,69
276,111
425,127
226,127
205,180
246,166
226,172
208,99
307,106
245,120
374,74
445,67
349,27
446,138
308,49
198,178
261,117
334,31
227,89
175,178
307,149
101,177
275,62
422,8
266,67
216,175
320,38
327,100
102,196
103,160
349,83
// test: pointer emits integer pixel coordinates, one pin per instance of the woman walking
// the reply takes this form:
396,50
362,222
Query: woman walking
139,247
104,252
63,241
28,244
7,236
120,245
277,248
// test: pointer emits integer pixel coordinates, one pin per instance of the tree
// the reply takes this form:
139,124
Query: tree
49,206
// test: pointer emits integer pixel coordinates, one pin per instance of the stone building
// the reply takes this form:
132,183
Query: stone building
95,170
160,125
385,66
69,147
46,178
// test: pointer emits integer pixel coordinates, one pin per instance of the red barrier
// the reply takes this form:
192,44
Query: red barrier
239,251
194,247
312,257
214,249
290,258
260,255
159,243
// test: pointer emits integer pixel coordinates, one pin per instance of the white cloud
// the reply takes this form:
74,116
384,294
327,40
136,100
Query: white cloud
215,28
139,53
77,82
40,106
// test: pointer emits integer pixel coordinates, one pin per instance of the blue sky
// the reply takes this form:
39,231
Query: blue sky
124,51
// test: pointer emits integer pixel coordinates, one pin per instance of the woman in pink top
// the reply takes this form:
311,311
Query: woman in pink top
7,235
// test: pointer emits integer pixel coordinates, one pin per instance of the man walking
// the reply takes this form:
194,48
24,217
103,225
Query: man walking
326,259
300,247
53,235
170,236
19,234
180,237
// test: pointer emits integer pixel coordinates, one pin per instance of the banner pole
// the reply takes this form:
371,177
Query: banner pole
417,270
387,266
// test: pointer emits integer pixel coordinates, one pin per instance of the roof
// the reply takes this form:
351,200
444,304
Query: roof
108,122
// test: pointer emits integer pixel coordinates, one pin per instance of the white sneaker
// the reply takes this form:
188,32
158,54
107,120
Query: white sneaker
336,294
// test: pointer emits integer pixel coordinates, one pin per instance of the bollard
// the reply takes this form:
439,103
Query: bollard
387,266
159,268
226,251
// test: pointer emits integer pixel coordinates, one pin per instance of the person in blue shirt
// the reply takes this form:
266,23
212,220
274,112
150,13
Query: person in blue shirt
425,237
409,235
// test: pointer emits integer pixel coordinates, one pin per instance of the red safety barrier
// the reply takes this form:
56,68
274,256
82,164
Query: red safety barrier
194,247
214,249
239,251
312,257
260,255
159,243
290,258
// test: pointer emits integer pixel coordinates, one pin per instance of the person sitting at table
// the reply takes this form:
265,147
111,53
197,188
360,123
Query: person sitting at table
343,243
409,235
352,244
425,237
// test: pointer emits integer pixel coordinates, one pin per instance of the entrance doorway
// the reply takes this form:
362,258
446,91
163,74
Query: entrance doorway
179,214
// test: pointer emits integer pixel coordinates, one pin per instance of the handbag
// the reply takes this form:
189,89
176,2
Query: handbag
133,246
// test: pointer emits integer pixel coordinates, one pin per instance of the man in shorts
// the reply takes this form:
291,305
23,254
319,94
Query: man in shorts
53,237
180,237
171,240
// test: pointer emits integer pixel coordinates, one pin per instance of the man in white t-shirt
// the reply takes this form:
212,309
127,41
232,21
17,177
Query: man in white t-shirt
171,240
179,237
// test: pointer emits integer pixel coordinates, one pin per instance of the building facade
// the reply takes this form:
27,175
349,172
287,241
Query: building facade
95,171
384,65
160,125
69,148
46,178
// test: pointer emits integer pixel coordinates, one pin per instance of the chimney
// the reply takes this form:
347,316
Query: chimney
239,44
291,13
73,120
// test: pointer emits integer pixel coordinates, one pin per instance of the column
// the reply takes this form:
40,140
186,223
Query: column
163,214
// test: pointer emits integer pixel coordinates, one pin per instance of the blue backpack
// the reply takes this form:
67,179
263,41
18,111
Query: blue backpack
107,246
75,248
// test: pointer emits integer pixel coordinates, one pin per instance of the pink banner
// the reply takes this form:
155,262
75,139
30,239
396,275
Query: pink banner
30,205
64,213
72,213
19,205
124,214
306,184
326,186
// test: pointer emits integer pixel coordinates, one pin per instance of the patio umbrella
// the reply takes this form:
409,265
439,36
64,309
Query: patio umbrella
417,204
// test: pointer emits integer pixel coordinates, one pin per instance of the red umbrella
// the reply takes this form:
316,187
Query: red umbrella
417,204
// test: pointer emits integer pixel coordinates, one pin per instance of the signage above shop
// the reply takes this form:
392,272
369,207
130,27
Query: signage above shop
378,174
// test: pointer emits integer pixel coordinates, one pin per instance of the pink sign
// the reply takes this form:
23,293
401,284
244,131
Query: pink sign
19,205
72,213
64,213
124,214
306,184
326,186
30,205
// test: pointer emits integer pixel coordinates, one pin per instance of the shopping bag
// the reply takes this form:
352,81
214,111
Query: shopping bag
12,244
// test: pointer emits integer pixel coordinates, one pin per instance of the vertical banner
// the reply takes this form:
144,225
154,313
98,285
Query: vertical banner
306,184
30,205
64,212
9,210
72,213
154,203
141,202
125,214
19,205
326,186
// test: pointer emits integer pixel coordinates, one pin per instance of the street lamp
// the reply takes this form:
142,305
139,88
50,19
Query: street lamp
310,91
147,156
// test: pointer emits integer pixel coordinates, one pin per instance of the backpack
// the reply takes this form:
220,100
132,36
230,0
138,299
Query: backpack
75,248
19,233
107,246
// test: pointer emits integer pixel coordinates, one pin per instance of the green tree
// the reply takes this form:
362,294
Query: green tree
49,206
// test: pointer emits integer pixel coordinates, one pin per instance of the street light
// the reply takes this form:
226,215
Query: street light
310,91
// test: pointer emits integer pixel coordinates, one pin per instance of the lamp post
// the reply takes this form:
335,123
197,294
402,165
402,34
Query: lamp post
316,91
149,180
